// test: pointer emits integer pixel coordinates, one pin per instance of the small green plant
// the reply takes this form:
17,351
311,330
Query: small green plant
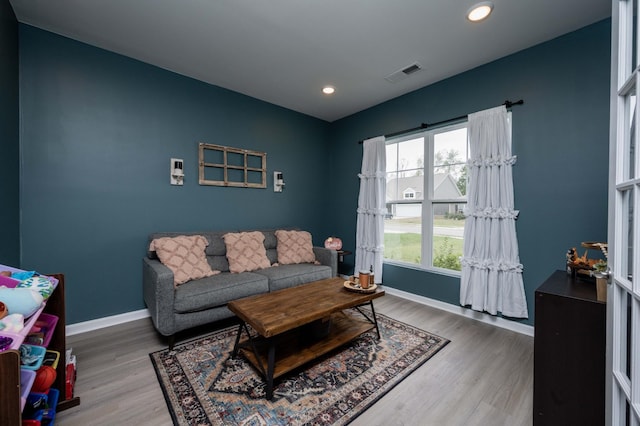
444,256
600,266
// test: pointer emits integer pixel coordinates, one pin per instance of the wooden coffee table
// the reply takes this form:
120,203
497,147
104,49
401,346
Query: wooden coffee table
302,322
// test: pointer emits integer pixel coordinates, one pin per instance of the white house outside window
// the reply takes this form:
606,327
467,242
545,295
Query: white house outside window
424,226
409,194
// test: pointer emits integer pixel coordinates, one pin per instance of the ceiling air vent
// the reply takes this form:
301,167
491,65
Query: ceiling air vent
405,72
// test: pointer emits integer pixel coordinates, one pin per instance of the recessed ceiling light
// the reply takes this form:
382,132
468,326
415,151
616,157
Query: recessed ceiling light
479,11
328,90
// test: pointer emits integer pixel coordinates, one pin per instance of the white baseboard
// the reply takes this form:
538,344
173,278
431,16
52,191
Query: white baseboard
86,326
465,312
96,324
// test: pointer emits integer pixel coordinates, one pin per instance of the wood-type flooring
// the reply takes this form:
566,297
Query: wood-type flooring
483,377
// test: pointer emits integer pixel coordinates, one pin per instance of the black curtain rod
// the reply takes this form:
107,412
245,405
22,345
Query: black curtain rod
423,126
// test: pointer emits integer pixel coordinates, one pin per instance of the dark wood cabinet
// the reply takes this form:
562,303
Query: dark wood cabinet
569,352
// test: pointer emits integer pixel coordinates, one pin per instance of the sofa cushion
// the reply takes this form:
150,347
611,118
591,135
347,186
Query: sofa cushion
270,243
218,290
245,251
184,255
294,247
285,276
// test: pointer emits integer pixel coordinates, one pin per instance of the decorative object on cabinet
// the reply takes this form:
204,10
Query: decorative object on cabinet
226,166
583,265
12,396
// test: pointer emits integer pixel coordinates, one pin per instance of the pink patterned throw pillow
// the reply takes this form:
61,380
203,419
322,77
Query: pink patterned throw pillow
294,247
245,251
185,256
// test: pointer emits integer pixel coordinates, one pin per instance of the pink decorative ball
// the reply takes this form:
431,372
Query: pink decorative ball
333,243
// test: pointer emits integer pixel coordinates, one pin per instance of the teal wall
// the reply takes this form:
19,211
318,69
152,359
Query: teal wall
98,133
9,139
98,130
560,136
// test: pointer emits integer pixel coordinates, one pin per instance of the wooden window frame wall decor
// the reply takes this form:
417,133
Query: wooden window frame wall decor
232,173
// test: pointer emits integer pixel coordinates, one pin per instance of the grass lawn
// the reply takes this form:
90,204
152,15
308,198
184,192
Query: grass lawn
407,247
448,223
404,247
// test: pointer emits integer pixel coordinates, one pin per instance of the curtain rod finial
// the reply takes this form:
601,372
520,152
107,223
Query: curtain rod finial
509,104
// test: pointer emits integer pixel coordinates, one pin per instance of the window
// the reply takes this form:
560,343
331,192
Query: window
226,166
426,228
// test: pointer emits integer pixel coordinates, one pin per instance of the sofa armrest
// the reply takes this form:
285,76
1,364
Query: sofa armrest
158,293
327,257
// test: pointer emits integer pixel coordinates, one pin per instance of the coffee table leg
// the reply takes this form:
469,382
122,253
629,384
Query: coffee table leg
270,367
375,320
235,346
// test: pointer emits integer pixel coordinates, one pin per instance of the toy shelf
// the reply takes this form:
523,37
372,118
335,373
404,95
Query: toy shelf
10,392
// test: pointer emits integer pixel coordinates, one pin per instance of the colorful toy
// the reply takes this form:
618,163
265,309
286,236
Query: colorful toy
21,300
40,284
45,376
12,323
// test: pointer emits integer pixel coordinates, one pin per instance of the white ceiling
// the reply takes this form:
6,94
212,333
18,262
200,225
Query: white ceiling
284,51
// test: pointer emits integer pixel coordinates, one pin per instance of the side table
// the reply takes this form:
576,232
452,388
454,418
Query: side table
342,268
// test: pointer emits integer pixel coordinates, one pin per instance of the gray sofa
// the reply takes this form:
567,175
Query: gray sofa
205,300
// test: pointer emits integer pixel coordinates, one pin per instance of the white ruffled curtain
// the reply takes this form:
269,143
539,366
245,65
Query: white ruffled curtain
371,207
491,278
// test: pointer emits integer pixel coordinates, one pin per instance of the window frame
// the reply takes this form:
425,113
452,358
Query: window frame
427,202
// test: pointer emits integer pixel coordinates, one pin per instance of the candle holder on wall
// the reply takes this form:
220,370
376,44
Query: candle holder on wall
278,182
177,171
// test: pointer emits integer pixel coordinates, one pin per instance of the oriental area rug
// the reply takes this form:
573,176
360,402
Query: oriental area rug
204,385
